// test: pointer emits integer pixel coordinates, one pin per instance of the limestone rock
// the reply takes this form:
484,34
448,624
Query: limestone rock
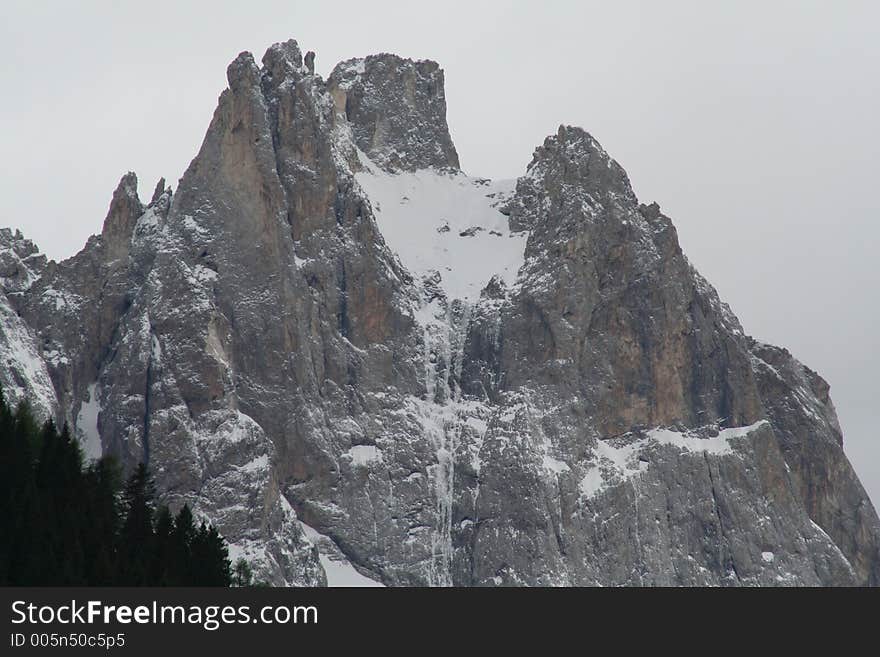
397,111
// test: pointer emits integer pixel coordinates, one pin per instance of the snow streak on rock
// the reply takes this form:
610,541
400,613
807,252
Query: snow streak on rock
448,230
87,424
339,570
444,336
24,374
618,460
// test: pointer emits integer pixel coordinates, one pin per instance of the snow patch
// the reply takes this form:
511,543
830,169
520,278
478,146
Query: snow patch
719,444
446,222
614,463
364,455
592,482
87,424
555,465
339,571
260,463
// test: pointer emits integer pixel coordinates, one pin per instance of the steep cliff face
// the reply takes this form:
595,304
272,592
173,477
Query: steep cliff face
359,362
23,371
396,109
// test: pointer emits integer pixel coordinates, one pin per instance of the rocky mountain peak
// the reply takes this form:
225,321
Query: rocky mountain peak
160,202
242,72
397,111
570,170
125,209
158,191
21,262
284,59
573,156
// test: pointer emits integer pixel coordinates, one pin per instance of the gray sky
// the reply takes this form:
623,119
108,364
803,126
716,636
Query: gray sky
753,124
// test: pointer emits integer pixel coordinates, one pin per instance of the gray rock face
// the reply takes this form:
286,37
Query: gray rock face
396,109
563,400
23,372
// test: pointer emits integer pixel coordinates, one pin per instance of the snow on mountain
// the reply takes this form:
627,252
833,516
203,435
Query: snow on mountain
87,423
446,222
24,374
626,458
339,571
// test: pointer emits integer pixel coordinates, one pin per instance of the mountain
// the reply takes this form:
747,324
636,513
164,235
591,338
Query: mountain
362,365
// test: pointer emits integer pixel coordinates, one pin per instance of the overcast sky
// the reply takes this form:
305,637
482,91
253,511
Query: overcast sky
753,124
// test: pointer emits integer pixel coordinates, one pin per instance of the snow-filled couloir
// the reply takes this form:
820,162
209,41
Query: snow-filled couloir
446,222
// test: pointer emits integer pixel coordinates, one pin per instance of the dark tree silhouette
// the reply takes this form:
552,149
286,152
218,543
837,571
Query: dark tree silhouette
242,574
65,524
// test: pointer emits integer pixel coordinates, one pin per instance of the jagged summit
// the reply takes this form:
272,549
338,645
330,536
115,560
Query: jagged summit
21,262
584,159
362,365
284,59
125,209
397,109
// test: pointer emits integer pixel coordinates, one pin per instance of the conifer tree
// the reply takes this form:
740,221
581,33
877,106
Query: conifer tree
242,574
103,521
63,523
180,563
164,550
210,558
136,539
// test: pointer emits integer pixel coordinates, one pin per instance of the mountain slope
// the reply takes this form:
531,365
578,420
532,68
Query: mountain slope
349,355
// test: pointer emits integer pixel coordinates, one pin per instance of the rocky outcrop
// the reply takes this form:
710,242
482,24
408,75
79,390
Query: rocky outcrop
396,109
797,401
21,262
23,372
289,344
